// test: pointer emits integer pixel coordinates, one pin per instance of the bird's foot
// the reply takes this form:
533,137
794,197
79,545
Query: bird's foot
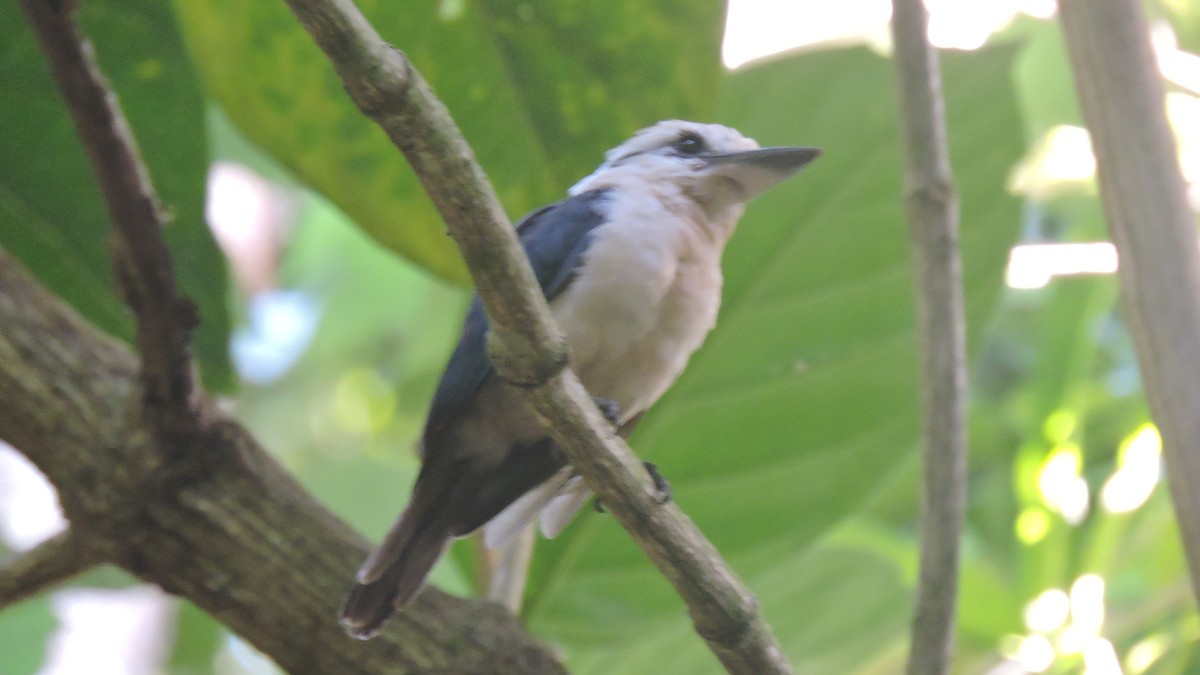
662,488
608,408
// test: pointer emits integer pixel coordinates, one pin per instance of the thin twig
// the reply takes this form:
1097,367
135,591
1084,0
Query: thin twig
932,208
50,562
1154,230
525,346
140,258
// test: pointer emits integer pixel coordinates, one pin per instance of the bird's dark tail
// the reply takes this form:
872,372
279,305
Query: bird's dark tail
393,574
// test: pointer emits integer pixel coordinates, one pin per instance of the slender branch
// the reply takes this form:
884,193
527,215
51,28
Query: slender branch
50,562
525,346
1145,201
932,208
140,257
384,84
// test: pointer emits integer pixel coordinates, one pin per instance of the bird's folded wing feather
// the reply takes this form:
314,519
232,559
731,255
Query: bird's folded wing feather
555,239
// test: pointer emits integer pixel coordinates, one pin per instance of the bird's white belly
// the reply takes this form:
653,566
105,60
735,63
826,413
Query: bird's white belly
641,305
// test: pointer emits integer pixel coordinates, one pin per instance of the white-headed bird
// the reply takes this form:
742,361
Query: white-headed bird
630,263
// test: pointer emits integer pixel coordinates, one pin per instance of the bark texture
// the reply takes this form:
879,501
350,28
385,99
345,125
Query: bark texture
931,204
208,515
1145,202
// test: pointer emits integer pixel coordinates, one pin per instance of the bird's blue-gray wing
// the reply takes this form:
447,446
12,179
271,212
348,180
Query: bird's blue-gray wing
555,238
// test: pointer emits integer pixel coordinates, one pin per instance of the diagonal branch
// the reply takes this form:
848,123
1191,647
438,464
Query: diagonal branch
525,346
57,559
140,259
932,207
1145,203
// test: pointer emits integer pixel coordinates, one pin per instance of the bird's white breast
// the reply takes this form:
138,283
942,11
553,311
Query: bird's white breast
646,296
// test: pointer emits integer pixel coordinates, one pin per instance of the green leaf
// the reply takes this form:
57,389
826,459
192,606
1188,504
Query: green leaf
540,88
197,639
1043,77
51,214
803,402
849,635
26,628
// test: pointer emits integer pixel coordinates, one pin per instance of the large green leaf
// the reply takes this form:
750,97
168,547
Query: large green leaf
826,632
804,400
540,88
51,214
1045,86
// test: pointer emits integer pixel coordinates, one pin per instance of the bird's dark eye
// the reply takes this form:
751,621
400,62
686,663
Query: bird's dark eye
689,144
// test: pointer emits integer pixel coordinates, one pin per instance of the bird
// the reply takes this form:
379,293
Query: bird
630,263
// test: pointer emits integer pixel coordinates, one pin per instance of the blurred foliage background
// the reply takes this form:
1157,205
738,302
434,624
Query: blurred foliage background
791,438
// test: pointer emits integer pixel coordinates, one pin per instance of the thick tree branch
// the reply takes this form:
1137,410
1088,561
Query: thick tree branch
209,515
55,560
525,346
1145,201
932,207
140,258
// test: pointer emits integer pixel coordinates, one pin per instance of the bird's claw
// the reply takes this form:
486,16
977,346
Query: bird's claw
662,488
608,408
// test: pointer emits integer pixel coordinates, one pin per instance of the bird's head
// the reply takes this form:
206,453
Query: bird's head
714,166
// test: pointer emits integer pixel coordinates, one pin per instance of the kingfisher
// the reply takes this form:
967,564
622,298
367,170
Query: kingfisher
630,263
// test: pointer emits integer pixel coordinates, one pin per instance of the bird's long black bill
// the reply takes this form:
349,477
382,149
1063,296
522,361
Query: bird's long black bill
757,170
785,160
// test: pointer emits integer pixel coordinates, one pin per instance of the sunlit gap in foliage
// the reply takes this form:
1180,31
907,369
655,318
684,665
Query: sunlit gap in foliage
1059,478
1139,469
1034,265
363,402
1179,67
1182,69
1063,489
755,29
98,630
1065,625
1146,652
1061,486
1062,160
29,510
248,216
